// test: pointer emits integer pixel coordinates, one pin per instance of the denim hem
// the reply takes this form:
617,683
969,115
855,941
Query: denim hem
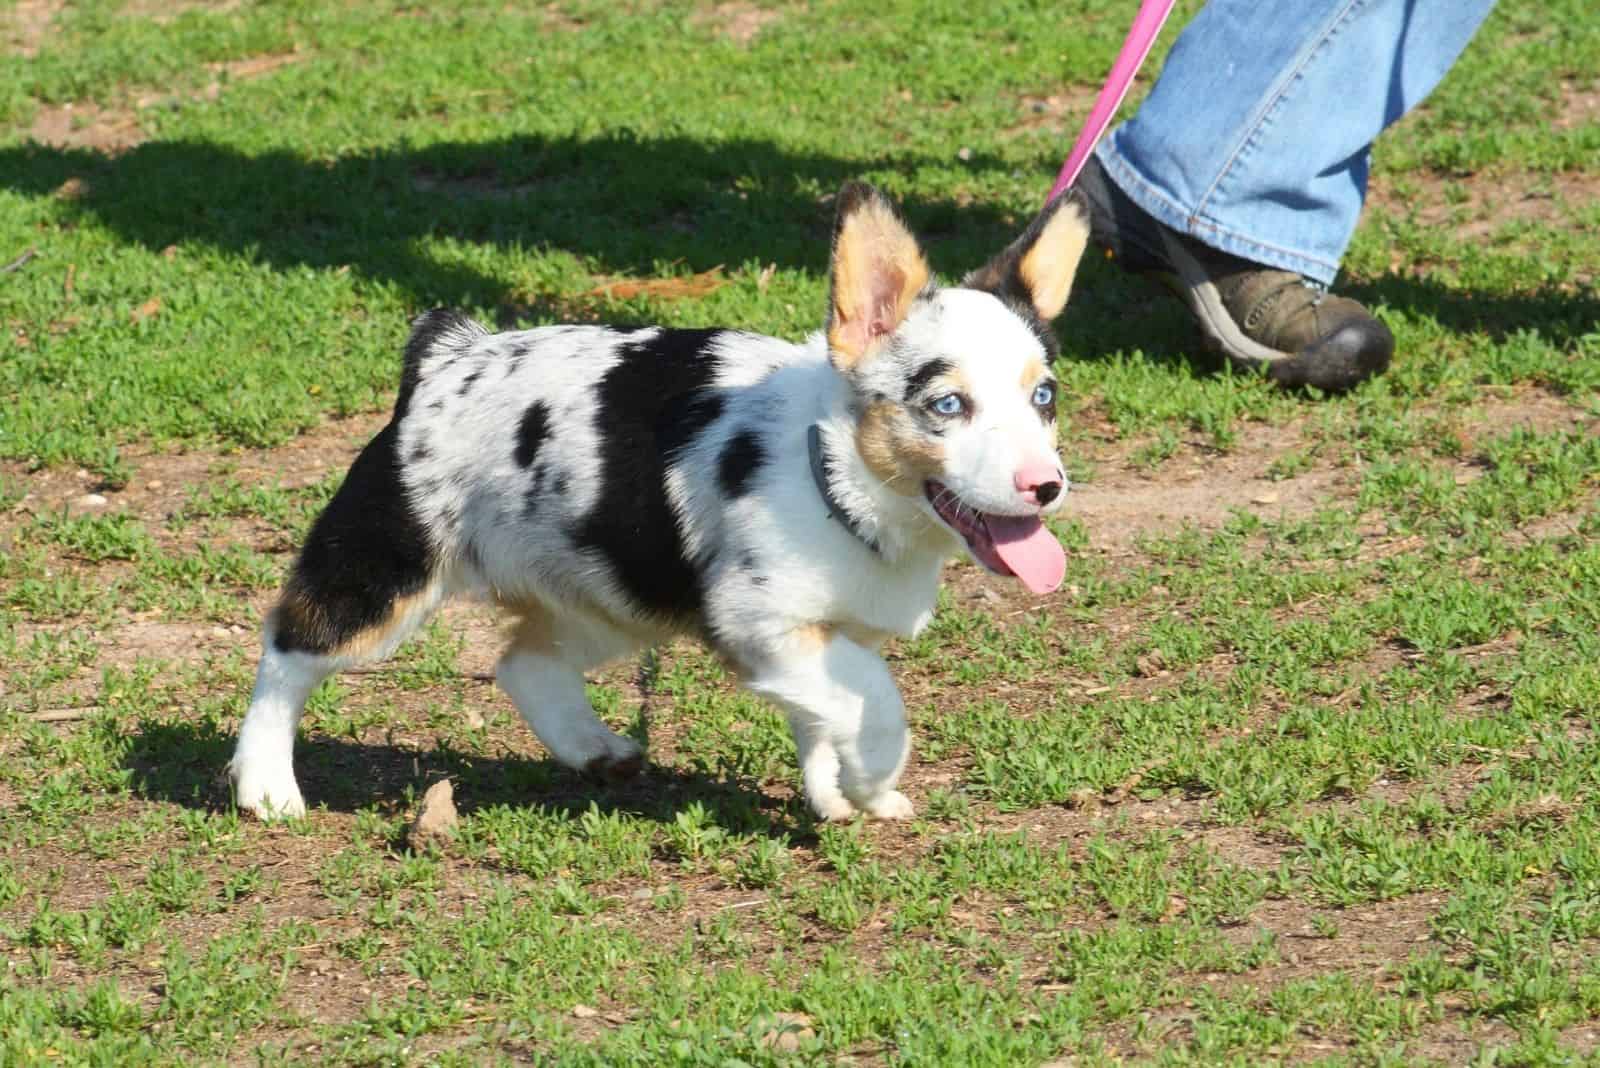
1241,159
1144,193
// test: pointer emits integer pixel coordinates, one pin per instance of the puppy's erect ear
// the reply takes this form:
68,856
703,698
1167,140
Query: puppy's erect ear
878,270
1037,268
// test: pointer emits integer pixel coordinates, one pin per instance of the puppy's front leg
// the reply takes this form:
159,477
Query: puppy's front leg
848,721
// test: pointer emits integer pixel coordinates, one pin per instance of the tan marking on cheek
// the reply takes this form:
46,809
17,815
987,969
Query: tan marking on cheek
900,455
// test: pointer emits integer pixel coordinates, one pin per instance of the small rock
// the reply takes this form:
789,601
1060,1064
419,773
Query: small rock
585,1012
1084,797
473,718
157,484
436,816
964,153
644,894
92,500
1265,498
1149,665
219,632
786,1031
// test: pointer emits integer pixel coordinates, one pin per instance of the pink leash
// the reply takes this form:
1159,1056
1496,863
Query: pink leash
1135,47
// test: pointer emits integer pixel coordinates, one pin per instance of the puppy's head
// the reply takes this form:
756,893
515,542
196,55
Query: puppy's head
955,400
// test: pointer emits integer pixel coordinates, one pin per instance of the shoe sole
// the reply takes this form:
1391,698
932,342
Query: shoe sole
1194,286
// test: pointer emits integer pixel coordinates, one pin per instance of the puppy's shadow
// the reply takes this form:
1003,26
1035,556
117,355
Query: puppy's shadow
185,763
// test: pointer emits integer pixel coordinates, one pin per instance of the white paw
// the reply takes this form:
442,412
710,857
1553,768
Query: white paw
834,809
268,794
892,805
603,753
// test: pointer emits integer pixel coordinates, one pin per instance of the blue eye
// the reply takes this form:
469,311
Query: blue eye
1044,394
949,404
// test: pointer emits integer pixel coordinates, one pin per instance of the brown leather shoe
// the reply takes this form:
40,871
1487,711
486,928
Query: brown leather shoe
1258,317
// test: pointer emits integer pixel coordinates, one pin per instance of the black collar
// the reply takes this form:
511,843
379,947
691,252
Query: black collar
819,475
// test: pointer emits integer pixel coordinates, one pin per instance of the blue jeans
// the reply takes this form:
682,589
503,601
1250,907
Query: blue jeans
1255,139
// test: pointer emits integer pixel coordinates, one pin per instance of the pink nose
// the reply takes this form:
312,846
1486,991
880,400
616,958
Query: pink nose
1038,481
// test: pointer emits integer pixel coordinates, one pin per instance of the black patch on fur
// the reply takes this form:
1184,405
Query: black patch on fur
531,432
514,361
689,415
925,374
419,453
427,330
559,486
742,456
534,497
651,404
367,548
471,380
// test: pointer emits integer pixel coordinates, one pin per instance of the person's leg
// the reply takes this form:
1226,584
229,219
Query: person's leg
1255,138
1241,177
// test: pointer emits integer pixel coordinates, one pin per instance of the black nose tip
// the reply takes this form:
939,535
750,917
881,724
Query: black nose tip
1047,491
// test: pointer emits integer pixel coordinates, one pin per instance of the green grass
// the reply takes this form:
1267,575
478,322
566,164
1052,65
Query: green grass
1310,778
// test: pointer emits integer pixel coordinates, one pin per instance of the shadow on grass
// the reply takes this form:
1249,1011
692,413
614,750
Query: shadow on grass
185,763
625,204
1560,315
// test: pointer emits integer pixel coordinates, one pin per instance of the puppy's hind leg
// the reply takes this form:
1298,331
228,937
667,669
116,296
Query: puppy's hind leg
542,671
366,578
262,768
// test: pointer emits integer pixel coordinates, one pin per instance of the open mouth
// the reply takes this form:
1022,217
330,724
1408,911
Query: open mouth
1016,545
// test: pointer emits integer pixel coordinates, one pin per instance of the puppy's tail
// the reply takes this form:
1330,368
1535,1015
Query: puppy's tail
435,333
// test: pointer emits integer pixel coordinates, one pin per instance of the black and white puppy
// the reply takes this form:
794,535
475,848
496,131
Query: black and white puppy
789,504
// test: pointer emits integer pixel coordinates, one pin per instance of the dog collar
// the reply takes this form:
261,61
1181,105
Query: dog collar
819,475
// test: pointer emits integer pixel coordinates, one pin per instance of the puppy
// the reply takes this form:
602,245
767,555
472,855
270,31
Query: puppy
789,505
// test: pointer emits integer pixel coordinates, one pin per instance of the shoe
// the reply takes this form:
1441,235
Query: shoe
1259,317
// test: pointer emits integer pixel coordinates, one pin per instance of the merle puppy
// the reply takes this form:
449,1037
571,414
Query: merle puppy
789,504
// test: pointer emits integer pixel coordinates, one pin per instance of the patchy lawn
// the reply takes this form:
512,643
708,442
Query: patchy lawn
1298,766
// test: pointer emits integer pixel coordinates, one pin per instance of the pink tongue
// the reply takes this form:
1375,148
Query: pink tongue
1028,550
